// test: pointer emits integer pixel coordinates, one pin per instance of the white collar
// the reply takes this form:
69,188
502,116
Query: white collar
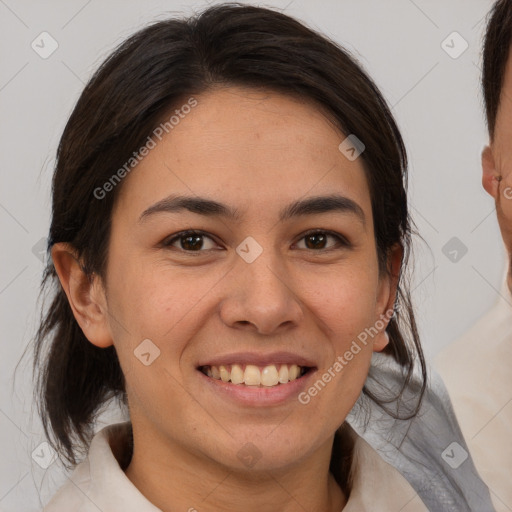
98,484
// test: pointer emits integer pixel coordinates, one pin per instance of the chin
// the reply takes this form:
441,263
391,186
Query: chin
271,450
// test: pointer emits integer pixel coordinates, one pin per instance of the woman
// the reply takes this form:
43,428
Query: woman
230,232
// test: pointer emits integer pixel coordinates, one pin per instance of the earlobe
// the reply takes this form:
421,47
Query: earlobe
85,295
490,176
381,341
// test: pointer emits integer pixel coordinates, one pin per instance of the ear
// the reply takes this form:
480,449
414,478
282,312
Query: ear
386,297
85,294
489,173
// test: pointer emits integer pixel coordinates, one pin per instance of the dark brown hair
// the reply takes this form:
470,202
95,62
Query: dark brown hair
143,79
497,42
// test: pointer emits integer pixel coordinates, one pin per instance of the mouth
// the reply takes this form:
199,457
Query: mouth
254,376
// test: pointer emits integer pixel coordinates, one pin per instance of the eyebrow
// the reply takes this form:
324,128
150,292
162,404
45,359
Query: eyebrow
211,208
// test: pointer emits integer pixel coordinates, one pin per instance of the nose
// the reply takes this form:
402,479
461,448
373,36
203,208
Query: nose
261,296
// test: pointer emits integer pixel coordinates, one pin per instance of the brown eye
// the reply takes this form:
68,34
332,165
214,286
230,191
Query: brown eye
194,241
317,240
190,241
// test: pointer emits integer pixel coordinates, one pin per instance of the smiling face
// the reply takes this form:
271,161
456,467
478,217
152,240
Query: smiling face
253,281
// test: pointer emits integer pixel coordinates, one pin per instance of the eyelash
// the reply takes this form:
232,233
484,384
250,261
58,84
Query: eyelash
342,241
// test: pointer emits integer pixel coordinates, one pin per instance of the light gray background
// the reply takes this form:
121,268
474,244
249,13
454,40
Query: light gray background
436,100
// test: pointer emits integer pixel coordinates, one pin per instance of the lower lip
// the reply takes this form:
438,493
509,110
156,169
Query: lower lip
256,396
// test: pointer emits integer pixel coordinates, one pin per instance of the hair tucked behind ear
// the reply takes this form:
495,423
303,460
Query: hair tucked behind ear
146,77
76,379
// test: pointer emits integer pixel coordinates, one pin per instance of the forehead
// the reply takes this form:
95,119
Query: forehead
245,147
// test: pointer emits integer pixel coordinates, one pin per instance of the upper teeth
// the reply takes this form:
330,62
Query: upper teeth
252,375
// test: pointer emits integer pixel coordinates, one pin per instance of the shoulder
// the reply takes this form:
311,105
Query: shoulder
99,482
71,496
376,484
476,368
483,345
428,449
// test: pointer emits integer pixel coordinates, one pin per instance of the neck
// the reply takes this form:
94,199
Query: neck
172,479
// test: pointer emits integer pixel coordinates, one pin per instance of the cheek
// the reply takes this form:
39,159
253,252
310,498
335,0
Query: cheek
347,309
347,315
504,210
506,197
345,300
162,307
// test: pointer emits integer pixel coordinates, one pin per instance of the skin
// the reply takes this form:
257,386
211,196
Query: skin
235,146
497,165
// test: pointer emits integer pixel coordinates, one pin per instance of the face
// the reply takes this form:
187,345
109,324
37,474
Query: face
497,162
261,288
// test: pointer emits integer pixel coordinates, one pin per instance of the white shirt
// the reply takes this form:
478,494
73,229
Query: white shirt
98,484
477,371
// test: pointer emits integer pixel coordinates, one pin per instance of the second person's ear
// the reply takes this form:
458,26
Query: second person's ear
490,176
